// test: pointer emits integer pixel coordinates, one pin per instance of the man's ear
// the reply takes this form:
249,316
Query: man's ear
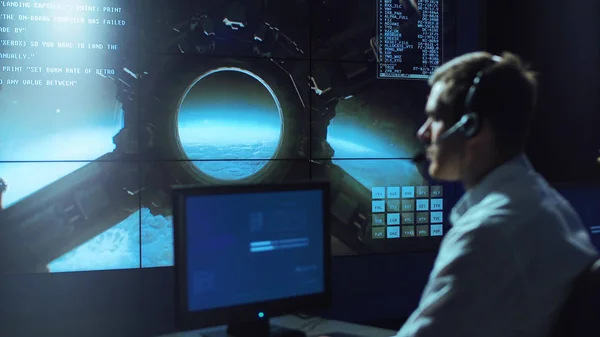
484,135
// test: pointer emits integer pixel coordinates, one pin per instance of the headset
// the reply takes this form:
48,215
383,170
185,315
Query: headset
470,122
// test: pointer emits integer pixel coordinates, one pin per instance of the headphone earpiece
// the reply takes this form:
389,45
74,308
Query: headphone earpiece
470,125
471,121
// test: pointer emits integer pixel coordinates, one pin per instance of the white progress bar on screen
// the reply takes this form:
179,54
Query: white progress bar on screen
595,229
266,246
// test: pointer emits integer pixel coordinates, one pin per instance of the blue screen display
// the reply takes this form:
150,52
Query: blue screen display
248,248
584,200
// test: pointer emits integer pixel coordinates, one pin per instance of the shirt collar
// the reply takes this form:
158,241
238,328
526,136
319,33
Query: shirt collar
519,165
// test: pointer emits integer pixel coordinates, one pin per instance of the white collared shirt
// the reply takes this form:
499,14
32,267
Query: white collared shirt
508,263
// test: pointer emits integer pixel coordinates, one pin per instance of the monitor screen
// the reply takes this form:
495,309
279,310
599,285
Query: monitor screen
106,104
253,248
584,199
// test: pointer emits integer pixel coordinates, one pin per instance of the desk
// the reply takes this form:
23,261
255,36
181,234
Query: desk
312,326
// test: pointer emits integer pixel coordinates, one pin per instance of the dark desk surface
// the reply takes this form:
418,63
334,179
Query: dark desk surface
313,326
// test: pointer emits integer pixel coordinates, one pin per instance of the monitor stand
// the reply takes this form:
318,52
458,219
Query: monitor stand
261,328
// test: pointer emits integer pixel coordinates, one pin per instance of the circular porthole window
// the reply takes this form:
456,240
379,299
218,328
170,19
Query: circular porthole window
230,123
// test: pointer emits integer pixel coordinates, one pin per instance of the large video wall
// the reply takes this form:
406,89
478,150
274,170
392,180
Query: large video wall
104,105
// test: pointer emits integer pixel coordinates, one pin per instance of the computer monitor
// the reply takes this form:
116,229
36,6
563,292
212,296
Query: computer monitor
583,197
247,253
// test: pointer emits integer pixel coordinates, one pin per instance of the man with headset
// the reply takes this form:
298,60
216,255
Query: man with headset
508,263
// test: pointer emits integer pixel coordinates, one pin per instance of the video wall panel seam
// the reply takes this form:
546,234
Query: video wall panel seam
310,98
139,126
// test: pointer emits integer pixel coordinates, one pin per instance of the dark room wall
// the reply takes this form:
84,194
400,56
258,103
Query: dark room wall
562,42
